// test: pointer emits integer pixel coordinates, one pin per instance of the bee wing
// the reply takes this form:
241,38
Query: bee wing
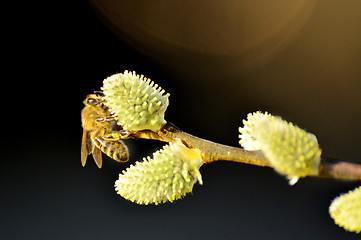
85,147
97,156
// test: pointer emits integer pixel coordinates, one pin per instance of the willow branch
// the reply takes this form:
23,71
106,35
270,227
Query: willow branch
211,152
337,169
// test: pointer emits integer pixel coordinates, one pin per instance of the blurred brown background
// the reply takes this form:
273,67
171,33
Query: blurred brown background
219,60
298,59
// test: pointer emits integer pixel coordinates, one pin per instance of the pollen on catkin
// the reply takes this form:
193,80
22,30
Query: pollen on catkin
136,101
346,210
168,176
290,150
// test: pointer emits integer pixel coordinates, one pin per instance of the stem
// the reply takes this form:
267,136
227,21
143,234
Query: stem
211,151
337,169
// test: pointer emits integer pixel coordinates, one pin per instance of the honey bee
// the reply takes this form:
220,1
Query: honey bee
99,132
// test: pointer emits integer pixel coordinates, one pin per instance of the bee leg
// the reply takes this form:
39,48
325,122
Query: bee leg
104,119
117,135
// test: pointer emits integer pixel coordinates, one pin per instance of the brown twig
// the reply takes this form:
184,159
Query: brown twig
337,169
212,152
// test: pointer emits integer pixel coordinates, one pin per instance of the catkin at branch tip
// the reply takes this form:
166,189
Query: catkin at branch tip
136,101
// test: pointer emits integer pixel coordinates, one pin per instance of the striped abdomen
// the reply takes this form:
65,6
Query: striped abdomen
114,149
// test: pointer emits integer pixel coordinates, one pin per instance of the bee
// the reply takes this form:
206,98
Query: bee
100,132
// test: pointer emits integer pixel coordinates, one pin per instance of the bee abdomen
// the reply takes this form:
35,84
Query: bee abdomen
114,149
117,151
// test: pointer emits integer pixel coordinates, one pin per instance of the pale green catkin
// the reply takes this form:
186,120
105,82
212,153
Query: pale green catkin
168,176
136,101
290,150
346,210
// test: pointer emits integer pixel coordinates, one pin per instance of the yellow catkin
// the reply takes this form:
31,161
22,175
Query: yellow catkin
168,176
346,210
290,150
136,101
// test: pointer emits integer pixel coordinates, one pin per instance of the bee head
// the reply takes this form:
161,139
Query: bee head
93,99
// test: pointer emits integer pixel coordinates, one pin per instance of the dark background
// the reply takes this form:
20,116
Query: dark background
56,54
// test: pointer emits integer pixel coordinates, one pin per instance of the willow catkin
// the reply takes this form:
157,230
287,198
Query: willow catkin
290,150
136,101
346,210
168,176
